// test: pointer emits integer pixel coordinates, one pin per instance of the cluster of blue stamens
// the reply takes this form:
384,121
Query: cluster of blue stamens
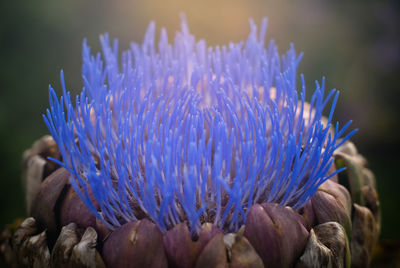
183,132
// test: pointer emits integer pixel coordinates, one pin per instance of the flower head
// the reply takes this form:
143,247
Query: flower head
181,132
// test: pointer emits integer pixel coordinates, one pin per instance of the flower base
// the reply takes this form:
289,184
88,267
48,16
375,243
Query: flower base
338,227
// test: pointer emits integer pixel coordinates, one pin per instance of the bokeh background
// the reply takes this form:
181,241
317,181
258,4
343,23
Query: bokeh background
354,44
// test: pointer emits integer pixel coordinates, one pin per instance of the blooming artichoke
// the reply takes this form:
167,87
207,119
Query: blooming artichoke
183,155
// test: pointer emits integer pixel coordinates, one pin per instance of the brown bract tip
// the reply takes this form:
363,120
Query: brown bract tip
276,233
135,244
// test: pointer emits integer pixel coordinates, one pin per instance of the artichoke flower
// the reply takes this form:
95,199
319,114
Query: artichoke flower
183,155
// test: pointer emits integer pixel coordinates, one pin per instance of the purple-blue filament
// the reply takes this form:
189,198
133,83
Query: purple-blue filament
182,132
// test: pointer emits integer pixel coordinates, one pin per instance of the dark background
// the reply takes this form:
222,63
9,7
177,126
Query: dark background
354,44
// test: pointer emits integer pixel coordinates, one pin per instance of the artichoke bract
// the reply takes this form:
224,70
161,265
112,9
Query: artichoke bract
183,155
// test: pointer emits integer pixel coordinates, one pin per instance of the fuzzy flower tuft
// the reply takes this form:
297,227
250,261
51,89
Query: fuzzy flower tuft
182,132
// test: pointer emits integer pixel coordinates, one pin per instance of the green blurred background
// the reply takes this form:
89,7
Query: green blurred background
354,44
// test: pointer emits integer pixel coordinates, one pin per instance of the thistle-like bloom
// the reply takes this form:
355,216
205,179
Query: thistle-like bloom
182,132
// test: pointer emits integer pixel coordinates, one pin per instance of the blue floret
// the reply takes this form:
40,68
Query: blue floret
182,132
